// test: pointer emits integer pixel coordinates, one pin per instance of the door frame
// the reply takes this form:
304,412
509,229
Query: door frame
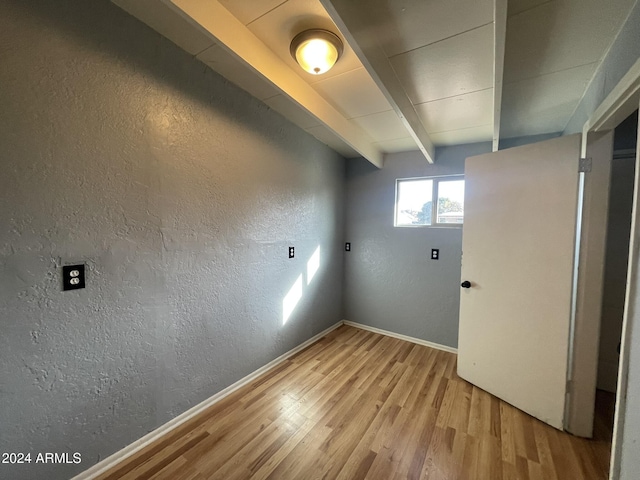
623,100
588,283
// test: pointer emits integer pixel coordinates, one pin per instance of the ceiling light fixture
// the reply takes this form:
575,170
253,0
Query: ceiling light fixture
316,51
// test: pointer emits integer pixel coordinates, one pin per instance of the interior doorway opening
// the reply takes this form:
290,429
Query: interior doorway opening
619,221
617,251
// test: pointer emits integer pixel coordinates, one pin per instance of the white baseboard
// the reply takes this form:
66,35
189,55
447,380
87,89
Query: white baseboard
402,337
111,461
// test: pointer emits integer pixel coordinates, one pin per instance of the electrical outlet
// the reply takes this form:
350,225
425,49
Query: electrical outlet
435,254
72,277
347,247
291,252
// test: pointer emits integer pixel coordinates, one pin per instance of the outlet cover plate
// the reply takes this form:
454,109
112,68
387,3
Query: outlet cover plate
73,277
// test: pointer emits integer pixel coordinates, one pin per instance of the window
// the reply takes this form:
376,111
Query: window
415,204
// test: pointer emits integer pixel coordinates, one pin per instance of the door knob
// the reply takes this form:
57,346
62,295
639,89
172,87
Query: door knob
466,284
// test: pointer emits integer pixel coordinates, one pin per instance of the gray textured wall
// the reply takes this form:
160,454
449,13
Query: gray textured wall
390,281
519,141
181,193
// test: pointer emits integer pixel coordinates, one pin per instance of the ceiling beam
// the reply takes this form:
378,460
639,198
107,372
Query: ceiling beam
350,18
231,34
499,41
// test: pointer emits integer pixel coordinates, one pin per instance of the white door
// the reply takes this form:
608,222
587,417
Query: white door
518,256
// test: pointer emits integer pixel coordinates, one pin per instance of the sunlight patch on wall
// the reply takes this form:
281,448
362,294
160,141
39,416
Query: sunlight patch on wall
291,299
313,264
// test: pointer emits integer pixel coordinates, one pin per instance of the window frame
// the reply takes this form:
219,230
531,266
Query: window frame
436,179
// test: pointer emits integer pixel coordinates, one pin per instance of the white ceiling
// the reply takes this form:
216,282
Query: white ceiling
414,74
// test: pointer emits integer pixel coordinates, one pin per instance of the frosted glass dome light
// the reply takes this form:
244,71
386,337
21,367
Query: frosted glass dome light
316,51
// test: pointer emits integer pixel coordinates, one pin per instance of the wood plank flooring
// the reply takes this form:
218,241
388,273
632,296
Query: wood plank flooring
358,405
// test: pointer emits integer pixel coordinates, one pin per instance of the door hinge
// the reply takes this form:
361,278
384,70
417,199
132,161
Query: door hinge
584,165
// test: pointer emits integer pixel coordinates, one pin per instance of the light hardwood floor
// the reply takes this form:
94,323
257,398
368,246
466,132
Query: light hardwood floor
356,405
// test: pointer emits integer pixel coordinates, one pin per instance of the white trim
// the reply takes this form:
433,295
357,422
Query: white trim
568,400
375,61
399,336
111,461
619,104
499,42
